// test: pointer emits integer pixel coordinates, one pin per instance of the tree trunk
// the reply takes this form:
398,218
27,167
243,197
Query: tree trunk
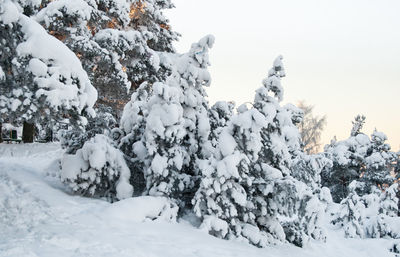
28,132
49,135
1,132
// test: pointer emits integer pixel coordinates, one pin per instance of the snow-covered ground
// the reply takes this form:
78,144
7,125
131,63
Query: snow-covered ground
40,217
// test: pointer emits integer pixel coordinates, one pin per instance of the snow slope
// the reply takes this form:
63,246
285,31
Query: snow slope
40,217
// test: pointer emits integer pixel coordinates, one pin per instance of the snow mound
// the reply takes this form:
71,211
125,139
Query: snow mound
141,209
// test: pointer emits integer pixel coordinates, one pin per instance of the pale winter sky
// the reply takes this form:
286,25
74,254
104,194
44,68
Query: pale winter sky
342,56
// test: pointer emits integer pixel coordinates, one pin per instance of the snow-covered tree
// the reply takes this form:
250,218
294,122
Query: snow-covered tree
361,158
389,201
167,125
97,169
222,198
40,78
220,113
116,41
147,17
273,169
358,124
372,215
247,190
308,169
379,163
348,162
311,128
31,7
350,216
280,137
74,138
189,72
164,137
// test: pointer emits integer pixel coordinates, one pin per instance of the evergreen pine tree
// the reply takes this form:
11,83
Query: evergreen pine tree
74,138
358,158
275,152
219,114
350,216
97,169
389,201
308,169
222,198
379,163
116,41
247,190
358,124
167,126
348,161
41,79
273,169
371,215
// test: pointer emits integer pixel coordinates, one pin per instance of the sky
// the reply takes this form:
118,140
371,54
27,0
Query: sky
341,56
